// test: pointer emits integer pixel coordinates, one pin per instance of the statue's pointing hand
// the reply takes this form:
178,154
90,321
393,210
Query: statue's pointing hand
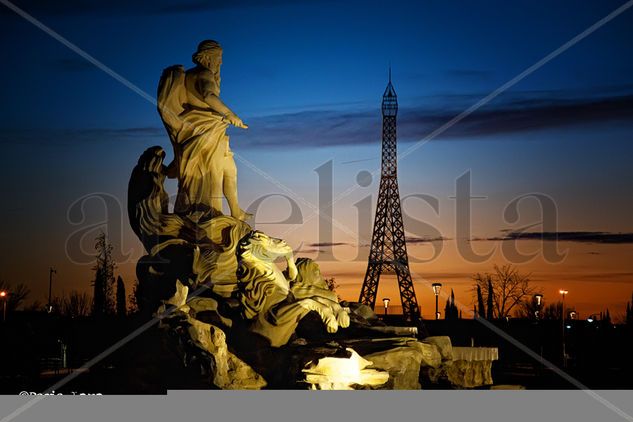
236,121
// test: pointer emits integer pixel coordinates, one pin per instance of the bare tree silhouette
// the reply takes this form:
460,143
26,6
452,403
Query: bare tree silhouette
506,288
16,295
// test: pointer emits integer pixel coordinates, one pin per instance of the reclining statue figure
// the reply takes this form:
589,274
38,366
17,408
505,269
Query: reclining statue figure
270,300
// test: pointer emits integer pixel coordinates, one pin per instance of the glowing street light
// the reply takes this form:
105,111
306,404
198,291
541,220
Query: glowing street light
386,302
436,289
4,295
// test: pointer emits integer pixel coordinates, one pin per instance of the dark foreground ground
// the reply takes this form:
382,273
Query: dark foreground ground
598,355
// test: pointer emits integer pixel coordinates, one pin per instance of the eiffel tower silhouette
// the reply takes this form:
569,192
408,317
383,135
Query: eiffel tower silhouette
388,247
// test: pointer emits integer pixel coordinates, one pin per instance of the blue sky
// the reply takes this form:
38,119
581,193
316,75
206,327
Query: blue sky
307,76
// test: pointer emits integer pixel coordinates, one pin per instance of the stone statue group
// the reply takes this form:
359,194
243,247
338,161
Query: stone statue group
199,259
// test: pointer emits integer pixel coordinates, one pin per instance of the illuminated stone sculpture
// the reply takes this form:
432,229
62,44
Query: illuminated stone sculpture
196,120
213,281
179,249
197,245
267,296
333,373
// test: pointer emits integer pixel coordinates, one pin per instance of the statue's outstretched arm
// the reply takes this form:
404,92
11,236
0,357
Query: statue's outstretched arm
206,84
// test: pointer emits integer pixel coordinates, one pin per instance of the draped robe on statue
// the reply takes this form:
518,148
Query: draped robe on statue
198,136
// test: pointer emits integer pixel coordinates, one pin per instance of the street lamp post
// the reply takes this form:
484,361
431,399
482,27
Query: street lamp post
436,289
539,299
51,271
562,317
539,302
4,296
386,303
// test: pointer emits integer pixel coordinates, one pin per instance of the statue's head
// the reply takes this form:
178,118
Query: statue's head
262,247
309,273
208,55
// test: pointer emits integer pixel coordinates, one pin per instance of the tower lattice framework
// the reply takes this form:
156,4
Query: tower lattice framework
388,246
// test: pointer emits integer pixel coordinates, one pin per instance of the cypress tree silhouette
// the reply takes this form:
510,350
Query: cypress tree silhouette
104,278
121,307
480,300
490,310
450,310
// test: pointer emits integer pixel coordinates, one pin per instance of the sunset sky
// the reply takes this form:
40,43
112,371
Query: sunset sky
308,76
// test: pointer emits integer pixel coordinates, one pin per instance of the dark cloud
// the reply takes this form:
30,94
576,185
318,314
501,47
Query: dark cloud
309,250
327,244
148,131
578,236
332,128
414,239
535,114
329,128
73,136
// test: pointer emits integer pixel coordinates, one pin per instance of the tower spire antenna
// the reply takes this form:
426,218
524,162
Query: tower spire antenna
389,71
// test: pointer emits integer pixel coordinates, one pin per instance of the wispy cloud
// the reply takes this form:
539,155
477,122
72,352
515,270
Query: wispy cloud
327,244
414,239
308,250
74,136
333,127
575,236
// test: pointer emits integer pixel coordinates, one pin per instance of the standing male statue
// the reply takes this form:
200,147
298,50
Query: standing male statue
196,120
